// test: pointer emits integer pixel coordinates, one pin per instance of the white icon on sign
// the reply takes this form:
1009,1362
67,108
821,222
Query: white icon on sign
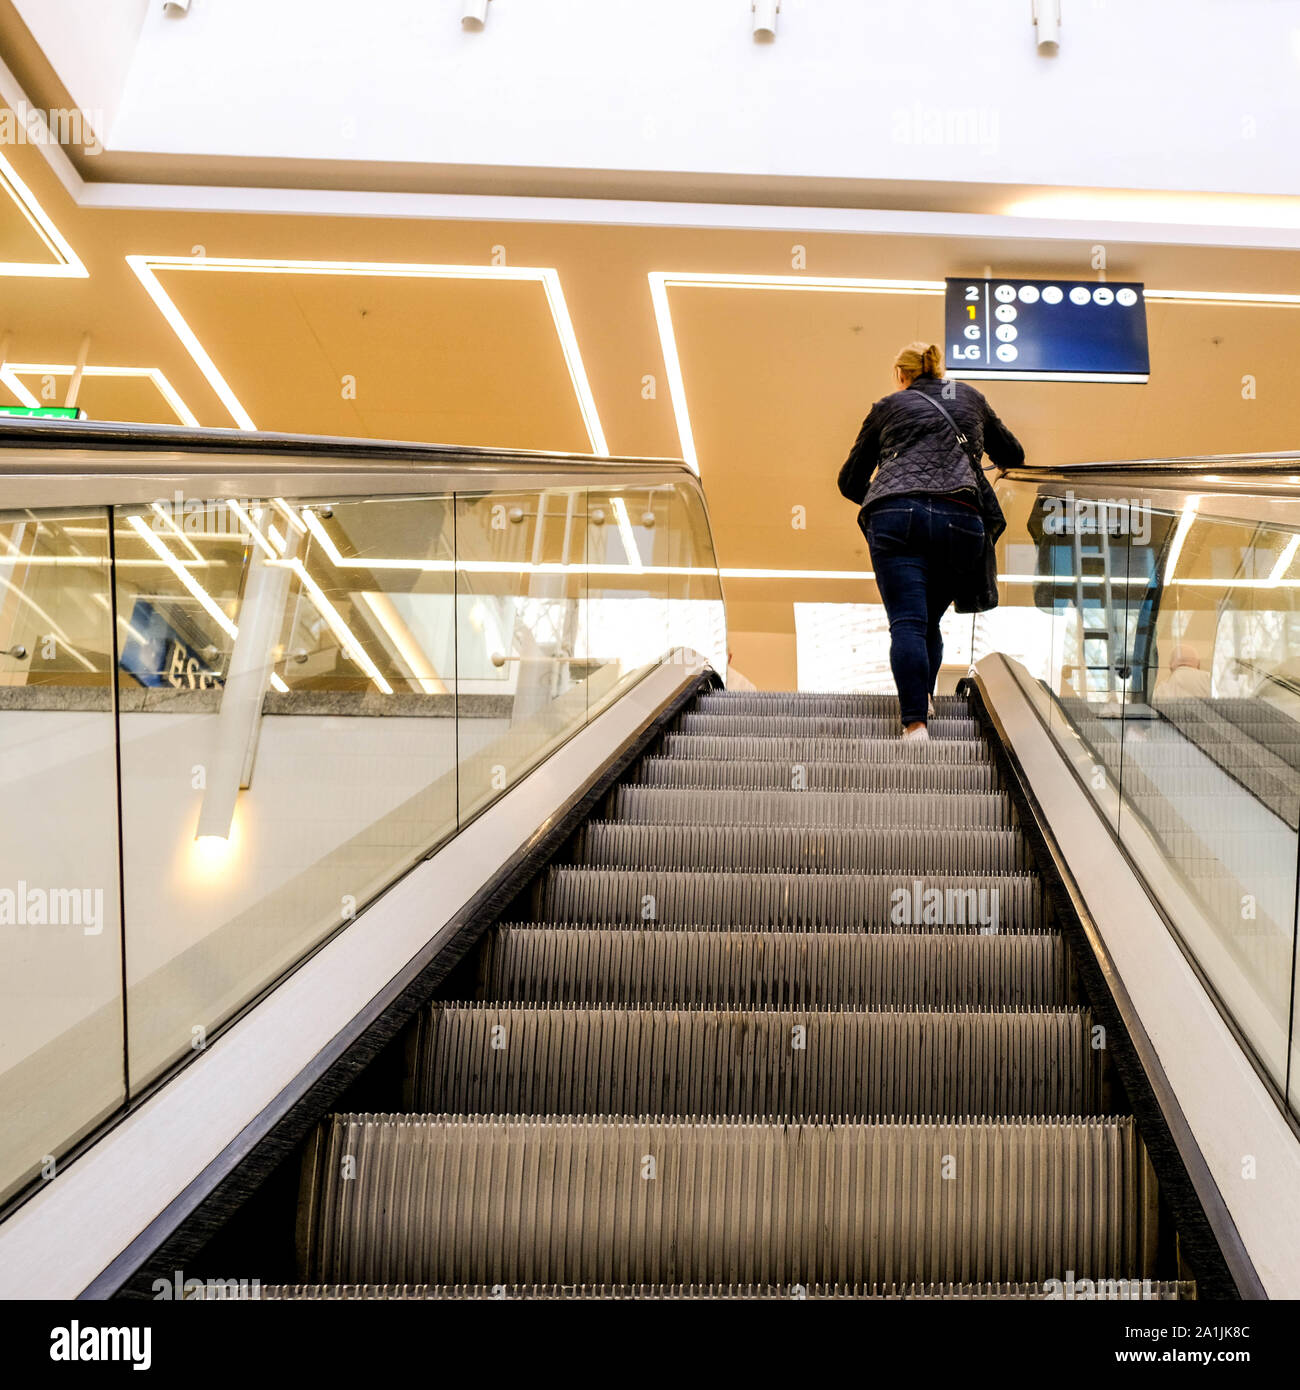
1126,297
1005,333
973,332
1103,296
1052,295
1004,294
1029,294
1006,353
1080,295
1004,313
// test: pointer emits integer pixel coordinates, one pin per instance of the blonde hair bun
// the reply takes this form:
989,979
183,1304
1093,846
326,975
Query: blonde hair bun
920,359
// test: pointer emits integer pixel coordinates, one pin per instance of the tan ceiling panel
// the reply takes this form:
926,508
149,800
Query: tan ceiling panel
134,399
444,360
20,241
778,381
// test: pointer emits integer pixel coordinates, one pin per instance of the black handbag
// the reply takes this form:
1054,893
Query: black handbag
979,593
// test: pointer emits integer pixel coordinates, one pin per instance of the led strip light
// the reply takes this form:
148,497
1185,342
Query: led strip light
146,268
67,264
12,372
661,281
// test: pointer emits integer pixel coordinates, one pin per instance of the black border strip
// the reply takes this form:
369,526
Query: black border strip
1208,1235
193,1217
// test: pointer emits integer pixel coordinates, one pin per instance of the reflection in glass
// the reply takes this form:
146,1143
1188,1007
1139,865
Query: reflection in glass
61,1022
1172,686
263,801
311,694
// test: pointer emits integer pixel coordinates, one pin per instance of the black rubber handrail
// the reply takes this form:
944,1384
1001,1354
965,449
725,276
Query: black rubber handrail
25,432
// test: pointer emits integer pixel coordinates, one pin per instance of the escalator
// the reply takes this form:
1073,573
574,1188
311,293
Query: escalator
455,936
790,1016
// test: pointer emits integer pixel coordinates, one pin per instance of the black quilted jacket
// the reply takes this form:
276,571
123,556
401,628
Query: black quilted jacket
906,446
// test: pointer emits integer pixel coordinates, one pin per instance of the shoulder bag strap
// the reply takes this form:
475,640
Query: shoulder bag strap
960,433
990,507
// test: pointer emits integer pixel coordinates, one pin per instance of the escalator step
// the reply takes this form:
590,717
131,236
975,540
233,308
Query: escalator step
762,969
788,848
997,902
418,1199
806,725
681,806
818,776
1146,1290
787,702
790,929
611,1060
854,751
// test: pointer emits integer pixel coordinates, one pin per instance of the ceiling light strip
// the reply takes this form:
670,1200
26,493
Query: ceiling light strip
626,535
192,586
10,379
68,263
1241,299
662,280
153,374
140,265
146,267
334,618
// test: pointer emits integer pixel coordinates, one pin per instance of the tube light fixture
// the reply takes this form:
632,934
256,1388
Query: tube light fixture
765,13
473,14
1047,21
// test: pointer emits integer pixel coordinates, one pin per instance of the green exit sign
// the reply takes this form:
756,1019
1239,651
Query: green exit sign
45,412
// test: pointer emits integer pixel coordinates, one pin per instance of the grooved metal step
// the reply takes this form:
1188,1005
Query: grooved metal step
616,844
901,776
415,1199
673,806
612,1060
775,746
782,702
766,969
791,1024
995,902
1117,1290
805,725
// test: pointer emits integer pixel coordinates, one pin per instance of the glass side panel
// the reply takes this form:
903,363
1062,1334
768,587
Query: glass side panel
696,613
61,1017
1169,673
627,624
522,674
288,739
1211,760
306,696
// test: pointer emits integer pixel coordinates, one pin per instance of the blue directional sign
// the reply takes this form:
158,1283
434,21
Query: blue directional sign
1046,330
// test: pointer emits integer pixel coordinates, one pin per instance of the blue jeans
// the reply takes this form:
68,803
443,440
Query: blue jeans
920,546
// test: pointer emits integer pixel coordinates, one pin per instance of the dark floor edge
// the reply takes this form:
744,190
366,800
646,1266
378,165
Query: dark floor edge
189,1222
1209,1239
